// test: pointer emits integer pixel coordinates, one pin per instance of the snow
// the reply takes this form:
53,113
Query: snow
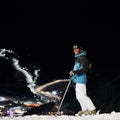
105,116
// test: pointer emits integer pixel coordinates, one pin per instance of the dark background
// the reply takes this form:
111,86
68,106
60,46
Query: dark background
47,32
43,34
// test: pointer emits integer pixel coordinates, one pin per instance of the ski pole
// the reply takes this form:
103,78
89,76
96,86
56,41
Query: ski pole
58,111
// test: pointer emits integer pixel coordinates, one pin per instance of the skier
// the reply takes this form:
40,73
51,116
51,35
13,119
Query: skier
79,77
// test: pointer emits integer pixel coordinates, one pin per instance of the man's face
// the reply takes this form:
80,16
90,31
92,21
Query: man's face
76,51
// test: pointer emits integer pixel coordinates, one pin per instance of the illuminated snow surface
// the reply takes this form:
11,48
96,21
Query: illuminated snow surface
105,116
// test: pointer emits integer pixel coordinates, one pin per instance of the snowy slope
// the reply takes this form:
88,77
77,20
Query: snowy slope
105,116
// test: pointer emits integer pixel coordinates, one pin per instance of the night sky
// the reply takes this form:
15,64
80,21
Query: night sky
43,35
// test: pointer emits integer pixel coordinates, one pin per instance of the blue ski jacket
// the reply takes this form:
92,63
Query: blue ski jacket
80,68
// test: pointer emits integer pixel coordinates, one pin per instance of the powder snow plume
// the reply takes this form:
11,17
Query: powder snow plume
31,83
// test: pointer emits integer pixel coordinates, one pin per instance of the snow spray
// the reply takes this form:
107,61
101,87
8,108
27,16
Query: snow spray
31,83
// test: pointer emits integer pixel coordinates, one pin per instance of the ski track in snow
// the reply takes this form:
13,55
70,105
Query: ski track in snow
105,116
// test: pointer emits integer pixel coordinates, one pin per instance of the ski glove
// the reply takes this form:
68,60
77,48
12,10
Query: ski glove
71,73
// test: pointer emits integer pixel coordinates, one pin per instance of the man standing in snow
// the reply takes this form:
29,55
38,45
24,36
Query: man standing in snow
79,77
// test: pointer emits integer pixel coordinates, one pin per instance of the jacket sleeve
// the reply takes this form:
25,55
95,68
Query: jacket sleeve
85,65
